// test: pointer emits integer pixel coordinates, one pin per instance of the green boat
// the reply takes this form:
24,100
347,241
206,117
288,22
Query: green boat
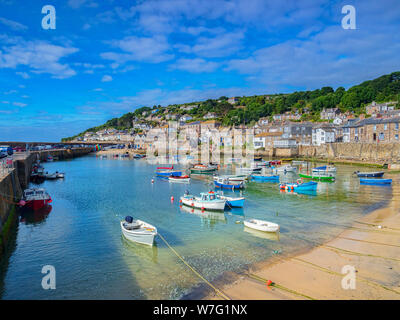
317,177
202,169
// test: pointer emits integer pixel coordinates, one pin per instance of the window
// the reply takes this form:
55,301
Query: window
397,126
381,136
374,127
396,137
385,126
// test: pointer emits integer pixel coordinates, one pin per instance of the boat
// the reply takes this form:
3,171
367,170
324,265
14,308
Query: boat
299,163
286,159
50,176
179,179
167,171
261,225
376,174
35,198
60,174
376,181
138,156
232,202
203,169
259,177
234,177
226,184
257,158
206,201
299,186
49,158
245,170
324,169
138,231
318,177
230,179
274,162
287,168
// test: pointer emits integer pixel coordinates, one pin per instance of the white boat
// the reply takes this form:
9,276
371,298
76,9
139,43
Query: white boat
226,179
287,168
138,231
325,169
245,170
206,201
233,177
50,176
261,225
179,179
60,174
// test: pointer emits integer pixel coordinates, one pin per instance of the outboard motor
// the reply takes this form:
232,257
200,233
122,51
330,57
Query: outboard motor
129,219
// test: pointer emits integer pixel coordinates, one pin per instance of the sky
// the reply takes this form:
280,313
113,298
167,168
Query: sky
105,58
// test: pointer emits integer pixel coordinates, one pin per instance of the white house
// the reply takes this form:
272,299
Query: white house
322,135
285,143
338,121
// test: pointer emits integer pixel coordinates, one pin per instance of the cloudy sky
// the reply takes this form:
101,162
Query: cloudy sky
109,57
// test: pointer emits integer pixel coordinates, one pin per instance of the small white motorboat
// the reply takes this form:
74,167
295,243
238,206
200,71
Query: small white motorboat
287,168
179,179
261,225
325,169
206,201
138,231
60,174
50,176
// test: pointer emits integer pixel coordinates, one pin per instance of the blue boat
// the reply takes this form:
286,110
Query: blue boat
166,172
377,174
299,187
376,181
265,178
233,202
226,184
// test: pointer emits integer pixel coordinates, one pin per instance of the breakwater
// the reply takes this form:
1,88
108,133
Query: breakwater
62,154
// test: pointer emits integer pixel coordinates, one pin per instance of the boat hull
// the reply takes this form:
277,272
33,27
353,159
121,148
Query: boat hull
182,180
203,171
146,238
228,186
255,226
370,174
218,205
168,174
265,178
317,178
36,204
376,181
235,203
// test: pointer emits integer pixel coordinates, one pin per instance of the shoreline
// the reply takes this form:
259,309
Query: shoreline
371,245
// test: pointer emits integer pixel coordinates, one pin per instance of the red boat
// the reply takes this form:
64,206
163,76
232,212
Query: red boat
35,198
274,162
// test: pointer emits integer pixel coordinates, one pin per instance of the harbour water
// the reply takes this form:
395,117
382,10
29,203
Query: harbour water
81,235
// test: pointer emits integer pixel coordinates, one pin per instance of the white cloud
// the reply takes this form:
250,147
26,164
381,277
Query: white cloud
19,104
16,26
24,75
196,65
39,56
146,49
106,78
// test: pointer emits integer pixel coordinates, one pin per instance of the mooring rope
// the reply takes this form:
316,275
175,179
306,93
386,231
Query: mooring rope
218,292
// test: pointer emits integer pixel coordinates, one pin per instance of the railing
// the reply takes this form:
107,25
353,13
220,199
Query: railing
6,165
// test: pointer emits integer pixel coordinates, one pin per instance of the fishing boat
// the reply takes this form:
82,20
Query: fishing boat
299,186
167,171
138,231
234,179
261,225
179,179
324,169
206,201
318,177
259,177
35,198
376,181
287,168
226,184
376,174
203,169
232,202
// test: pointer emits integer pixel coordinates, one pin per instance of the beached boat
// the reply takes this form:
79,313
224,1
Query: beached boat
35,198
376,174
261,225
226,184
376,181
232,202
179,179
138,231
206,201
167,171
203,169
287,168
318,177
299,186
259,177
324,169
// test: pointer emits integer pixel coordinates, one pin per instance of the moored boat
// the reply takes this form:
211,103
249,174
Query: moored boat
261,225
259,177
226,184
167,171
299,186
232,202
318,177
35,198
179,179
376,181
324,169
203,169
206,201
286,168
138,231
245,170
376,174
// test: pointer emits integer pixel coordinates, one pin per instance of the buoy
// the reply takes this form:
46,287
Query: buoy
152,180
202,208
180,201
172,199
269,282
192,204
22,203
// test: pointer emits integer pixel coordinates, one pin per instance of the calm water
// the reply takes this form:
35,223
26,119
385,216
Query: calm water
81,236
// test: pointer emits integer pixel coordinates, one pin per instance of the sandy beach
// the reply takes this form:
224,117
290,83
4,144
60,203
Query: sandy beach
371,245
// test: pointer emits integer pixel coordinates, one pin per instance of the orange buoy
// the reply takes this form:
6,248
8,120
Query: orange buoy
180,201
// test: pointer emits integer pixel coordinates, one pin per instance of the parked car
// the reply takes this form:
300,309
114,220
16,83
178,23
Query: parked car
6,151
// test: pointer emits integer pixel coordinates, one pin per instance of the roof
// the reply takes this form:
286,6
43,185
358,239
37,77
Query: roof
372,121
210,121
269,134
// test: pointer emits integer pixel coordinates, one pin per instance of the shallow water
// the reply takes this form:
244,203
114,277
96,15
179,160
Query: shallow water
81,236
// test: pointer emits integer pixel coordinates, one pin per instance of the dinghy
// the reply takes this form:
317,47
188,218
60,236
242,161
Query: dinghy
232,202
376,181
261,225
206,201
299,186
231,179
318,177
377,174
179,179
203,169
262,178
138,231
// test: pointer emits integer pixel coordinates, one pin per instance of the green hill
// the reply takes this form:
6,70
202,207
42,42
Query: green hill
250,109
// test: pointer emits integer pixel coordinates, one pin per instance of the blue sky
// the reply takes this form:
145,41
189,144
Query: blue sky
108,57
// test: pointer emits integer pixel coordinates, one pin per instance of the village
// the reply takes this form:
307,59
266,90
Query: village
379,124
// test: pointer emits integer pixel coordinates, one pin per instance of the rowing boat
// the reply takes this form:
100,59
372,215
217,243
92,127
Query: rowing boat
226,184
376,181
377,174
138,231
259,177
179,179
261,225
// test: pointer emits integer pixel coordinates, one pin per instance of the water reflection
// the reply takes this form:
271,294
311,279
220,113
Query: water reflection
28,216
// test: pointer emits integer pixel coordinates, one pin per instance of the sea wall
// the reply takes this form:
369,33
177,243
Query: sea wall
10,192
62,154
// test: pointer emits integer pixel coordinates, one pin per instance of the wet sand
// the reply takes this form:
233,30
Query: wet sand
371,245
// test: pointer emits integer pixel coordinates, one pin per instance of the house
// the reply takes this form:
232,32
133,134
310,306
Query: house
322,135
374,107
209,125
210,115
185,118
285,143
233,100
300,131
330,113
266,139
189,107
337,121
263,121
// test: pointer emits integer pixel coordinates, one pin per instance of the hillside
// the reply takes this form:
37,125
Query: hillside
250,109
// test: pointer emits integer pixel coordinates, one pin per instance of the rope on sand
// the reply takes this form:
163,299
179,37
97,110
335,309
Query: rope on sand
217,291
